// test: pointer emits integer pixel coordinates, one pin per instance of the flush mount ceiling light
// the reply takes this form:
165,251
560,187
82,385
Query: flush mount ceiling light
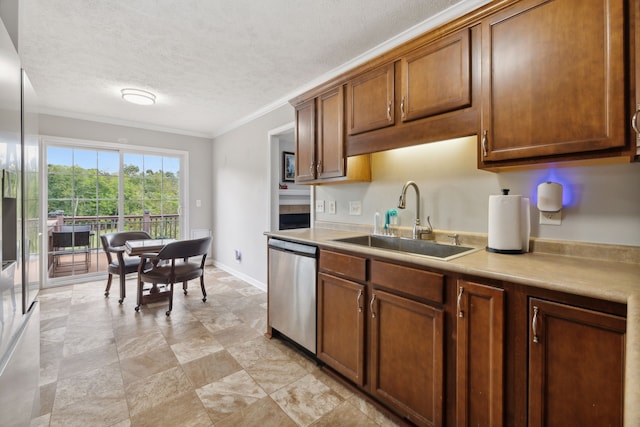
137,96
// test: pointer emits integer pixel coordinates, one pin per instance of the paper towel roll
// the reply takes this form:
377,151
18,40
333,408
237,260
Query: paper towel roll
505,232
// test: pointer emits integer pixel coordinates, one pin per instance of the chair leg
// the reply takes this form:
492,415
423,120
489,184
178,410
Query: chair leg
170,299
184,287
106,291
123,285
204,293
139,295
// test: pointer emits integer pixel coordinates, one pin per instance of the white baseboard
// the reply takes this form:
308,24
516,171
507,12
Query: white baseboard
250,280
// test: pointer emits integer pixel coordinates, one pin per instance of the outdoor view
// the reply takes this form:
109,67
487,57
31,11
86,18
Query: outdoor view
85,192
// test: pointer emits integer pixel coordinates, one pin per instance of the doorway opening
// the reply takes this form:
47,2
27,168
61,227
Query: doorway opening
290,203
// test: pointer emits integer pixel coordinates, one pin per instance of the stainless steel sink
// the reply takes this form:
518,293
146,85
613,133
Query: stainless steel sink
413,246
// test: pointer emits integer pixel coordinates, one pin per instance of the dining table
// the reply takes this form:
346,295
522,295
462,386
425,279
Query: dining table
138,247
154,292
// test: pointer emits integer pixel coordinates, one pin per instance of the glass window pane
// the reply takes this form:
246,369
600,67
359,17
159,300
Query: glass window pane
109,163
59,156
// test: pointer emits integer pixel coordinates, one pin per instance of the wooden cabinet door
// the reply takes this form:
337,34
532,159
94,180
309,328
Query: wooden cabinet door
370,100
331,155
437,78
305,134
576,366
480,355
407,347
341,308
547,88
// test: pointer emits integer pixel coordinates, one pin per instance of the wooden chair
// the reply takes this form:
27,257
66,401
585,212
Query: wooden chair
172,265
120,264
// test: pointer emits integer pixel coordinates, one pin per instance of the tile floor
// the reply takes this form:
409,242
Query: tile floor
208,364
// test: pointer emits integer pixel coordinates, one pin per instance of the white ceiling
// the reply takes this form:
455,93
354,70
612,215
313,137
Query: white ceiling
212,64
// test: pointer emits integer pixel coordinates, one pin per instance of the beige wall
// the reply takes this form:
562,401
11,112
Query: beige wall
241,195
603,205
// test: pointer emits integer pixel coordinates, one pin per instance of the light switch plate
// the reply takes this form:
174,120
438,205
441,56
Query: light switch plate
355,208
332,207
319,206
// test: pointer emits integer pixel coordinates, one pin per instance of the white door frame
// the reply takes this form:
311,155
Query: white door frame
274,176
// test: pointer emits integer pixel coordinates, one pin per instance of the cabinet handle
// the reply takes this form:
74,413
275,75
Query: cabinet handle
634,119
373,313
311,169
534,325
460,312
319,167
358,301
389,110
484,142
402,107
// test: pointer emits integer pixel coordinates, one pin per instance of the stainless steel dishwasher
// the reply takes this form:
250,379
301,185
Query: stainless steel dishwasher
292,291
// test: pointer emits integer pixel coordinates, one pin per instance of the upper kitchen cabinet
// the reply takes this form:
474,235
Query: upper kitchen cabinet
330,143
305,131
320,142
370,100
429,93
436,79
553,82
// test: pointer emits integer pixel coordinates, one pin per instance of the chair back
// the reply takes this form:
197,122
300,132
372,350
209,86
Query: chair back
75,228
119,238
69,239
185,248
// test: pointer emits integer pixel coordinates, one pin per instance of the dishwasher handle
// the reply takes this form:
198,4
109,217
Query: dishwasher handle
296,248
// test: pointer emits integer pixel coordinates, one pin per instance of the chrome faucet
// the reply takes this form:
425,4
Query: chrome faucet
418,230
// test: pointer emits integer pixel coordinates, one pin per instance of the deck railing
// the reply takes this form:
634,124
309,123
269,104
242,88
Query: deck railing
158,226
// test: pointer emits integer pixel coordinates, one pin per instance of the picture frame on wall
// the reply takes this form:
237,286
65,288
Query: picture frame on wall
288,166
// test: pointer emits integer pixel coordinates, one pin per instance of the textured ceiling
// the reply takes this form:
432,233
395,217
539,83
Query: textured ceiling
211,63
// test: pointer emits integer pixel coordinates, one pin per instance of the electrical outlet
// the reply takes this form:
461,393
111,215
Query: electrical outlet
319,206
551,218
238,255
198,203
355,208
332,207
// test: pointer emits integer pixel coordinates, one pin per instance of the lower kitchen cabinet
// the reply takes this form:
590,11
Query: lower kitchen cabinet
341,317
479,355
440,349
407,348
576,366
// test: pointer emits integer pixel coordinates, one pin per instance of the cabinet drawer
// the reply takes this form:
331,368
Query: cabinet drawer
419,283
344,265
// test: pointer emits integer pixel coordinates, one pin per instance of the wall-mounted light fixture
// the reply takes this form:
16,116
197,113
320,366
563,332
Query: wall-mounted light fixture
550,203
138,96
